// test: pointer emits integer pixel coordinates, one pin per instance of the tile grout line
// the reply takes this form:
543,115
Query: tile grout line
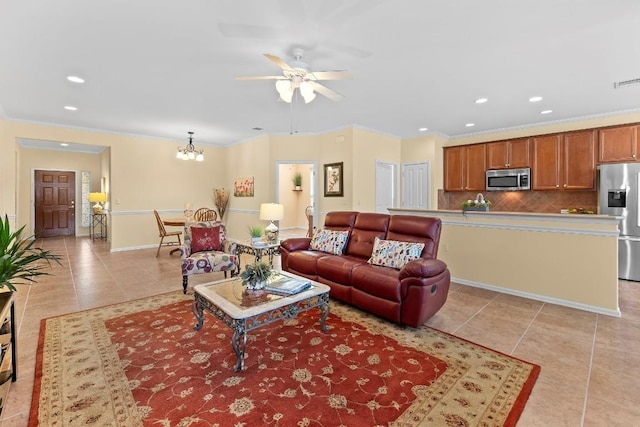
593,350
527,329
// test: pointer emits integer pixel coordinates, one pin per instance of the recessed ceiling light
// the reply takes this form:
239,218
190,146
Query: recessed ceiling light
546,111
535,99
481,100
257,128
470,125
70,108
75,79
423,129
64,144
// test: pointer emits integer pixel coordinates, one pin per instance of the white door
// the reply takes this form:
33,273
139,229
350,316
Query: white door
415,185
386,186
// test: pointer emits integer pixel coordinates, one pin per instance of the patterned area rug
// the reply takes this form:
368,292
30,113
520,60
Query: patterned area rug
141,363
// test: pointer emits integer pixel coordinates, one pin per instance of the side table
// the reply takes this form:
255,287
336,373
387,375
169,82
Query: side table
98,222
258,250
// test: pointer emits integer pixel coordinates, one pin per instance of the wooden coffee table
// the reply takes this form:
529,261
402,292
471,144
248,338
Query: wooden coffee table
244,311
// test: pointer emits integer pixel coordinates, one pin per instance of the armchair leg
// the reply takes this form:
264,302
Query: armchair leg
185,283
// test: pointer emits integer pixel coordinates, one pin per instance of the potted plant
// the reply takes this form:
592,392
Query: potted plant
255,231
297,181
255,276
479,204
19,260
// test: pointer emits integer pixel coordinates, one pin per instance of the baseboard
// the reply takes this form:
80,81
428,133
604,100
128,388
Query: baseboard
537,297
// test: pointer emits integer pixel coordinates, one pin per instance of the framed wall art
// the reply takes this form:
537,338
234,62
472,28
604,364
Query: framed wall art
243,187
333,183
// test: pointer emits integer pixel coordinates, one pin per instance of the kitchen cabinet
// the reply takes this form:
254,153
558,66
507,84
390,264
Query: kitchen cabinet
8,353
564,161
464,168
508,154
618,144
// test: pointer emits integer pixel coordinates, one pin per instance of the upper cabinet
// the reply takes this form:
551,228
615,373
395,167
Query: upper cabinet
508,154
564,161
464,168
619,144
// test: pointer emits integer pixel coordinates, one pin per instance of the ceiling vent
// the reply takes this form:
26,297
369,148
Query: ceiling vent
625,83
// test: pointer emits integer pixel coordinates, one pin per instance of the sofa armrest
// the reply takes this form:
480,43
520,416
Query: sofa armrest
185,251
296,244
229,247
420,268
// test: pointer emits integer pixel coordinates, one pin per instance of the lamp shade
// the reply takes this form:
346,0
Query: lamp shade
271,211
97,197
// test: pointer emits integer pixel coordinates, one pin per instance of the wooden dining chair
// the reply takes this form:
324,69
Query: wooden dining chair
164,233
205,214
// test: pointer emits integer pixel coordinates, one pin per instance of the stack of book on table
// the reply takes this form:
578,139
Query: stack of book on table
282,284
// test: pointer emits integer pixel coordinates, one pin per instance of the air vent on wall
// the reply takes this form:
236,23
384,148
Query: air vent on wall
626,83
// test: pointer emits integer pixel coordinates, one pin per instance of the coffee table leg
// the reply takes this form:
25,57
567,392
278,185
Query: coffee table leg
196,309
324,312
239,344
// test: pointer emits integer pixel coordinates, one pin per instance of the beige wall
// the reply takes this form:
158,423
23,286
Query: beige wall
563,259
142,174
369,147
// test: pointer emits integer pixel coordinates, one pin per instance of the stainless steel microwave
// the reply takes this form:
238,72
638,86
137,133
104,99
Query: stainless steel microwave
509,179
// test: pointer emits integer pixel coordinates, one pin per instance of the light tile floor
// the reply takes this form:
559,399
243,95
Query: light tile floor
590,363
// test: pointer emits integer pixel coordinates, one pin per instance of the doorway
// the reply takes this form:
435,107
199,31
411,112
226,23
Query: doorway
54,203
297,202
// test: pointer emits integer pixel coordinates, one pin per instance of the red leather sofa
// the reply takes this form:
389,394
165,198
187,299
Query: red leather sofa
408,296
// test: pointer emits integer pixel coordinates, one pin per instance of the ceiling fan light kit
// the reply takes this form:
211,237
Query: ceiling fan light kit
298,75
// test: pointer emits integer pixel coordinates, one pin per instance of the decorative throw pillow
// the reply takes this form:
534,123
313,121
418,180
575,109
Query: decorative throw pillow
205,239
394,254
329,241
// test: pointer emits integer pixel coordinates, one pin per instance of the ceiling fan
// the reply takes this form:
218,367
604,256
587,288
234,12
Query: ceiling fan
298,75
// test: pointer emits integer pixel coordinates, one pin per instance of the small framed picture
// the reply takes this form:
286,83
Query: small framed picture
333,184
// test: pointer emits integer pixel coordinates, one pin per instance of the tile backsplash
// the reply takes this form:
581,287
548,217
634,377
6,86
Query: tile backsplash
523,201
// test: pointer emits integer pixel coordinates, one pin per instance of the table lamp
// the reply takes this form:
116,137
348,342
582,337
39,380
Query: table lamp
271,212
97,198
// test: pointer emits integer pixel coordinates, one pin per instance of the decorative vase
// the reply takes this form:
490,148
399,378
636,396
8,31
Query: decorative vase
254,286
256,240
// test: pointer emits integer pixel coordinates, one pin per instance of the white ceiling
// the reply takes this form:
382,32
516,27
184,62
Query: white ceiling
161,68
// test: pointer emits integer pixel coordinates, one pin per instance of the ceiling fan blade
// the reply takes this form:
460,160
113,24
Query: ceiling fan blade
331,75
261,78
323,90
279,62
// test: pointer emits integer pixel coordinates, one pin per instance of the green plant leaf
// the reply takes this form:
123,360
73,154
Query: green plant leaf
19,260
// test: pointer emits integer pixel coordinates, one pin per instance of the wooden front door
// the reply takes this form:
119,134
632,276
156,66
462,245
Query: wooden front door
55,203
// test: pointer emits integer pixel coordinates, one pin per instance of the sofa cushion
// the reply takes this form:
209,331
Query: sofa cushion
394,254
204,239
338,268
413,228
367,227
382,282
330,241
305,261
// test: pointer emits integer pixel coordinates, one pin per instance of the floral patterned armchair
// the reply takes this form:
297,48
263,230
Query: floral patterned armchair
206,250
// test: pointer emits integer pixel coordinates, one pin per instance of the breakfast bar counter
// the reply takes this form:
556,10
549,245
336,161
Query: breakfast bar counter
565,259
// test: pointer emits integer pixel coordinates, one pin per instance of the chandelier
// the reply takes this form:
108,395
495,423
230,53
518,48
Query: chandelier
189,152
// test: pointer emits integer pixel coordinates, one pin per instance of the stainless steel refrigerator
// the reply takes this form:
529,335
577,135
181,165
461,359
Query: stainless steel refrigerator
619,194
